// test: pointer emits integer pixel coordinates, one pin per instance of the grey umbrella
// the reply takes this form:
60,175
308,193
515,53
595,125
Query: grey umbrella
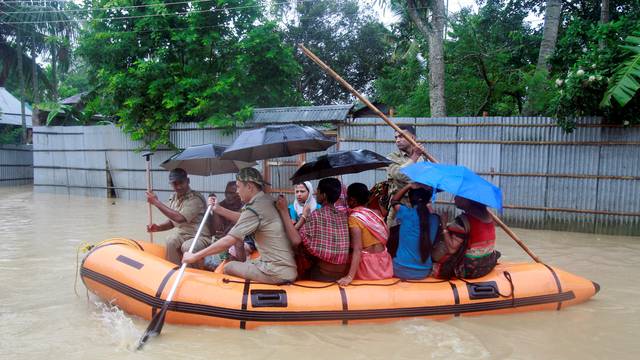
204,160
273,141
340,163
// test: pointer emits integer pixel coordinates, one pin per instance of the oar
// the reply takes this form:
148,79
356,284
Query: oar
155,326
147,157
395,127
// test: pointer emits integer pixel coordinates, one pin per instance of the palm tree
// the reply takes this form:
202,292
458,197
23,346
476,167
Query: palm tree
549,33
47,27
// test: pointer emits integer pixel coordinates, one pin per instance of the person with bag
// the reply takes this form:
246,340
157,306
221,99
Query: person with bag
467,249
368,236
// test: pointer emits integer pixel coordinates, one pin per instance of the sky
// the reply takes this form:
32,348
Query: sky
454,6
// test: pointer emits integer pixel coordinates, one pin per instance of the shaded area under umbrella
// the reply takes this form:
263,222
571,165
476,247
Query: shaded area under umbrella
274,141
340,163
457,180
204,160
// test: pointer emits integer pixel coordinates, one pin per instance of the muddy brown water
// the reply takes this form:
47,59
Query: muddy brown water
42,317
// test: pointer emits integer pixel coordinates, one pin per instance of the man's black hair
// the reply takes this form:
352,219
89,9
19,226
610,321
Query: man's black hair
331,188
409,128
359,192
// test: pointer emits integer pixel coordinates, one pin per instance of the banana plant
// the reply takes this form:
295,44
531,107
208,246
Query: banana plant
626,79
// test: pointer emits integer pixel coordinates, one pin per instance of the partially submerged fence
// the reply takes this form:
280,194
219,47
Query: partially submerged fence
587,181
16,165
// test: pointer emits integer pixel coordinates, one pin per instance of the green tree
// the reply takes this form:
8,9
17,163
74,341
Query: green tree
488,60
347,37
487,64
208,62
586,59
428,19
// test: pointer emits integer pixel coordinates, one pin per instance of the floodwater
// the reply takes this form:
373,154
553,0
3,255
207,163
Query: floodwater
42,317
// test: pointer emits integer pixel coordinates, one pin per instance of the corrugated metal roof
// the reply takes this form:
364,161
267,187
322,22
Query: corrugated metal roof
301,114
10,110
75,99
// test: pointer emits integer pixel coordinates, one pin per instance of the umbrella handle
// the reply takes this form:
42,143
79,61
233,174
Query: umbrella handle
395,127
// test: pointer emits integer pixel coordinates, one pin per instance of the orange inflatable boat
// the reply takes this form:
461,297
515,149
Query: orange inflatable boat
134,276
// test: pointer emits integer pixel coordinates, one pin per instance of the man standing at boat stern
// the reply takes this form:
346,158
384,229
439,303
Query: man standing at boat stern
259,216
405,155
185,210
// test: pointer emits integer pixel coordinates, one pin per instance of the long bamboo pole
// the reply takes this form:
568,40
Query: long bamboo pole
414,143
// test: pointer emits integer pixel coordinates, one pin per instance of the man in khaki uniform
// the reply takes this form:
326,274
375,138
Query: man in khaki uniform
405,155
185,211
259,216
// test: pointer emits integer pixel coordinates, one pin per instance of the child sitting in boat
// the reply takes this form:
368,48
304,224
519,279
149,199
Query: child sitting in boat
323,240
304,204
419,229
467,249
368,233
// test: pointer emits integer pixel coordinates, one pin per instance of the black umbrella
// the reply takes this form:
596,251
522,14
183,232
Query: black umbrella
275,141
204,160
340,163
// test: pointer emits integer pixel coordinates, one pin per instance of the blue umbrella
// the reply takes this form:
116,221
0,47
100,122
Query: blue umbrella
457,180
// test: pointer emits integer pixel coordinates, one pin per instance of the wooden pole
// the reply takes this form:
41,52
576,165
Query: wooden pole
414,143
147,157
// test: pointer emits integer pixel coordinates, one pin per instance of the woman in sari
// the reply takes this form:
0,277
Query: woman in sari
368,236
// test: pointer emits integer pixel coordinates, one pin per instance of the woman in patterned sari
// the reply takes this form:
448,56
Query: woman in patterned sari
368,233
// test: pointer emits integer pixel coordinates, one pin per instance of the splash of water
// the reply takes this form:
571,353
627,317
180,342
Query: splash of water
120,330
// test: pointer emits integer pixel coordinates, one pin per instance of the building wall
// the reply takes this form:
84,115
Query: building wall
16,165
586,181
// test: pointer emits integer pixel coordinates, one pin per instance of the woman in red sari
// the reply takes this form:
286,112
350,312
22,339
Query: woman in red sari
368,235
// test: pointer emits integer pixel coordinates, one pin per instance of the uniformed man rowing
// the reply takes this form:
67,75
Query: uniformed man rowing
184,211
259,216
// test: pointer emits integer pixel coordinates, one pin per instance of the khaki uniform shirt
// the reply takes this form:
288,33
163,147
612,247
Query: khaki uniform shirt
398,180
192,206
261,218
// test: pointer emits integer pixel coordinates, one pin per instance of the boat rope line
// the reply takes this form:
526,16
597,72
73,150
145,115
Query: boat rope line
161,287
507,276
322,315
558,284
89,249
227,281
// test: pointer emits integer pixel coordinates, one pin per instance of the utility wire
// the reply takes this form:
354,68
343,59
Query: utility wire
32,10
140,16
